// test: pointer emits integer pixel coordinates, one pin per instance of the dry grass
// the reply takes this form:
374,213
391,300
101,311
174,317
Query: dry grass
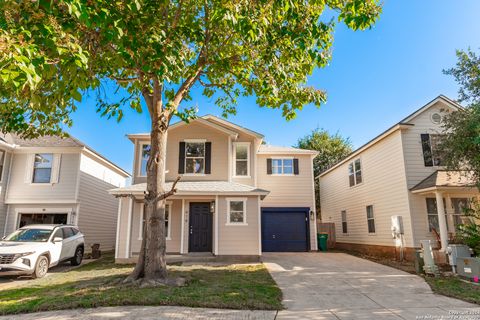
99,284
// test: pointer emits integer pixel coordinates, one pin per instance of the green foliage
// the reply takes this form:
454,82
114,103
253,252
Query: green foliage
51,53
331,147
469,232
460,148
467,74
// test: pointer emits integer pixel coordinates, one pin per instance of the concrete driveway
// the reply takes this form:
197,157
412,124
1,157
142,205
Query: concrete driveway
340,286
10,282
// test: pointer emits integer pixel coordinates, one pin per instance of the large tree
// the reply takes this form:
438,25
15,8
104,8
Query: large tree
331,147
460,147
53,51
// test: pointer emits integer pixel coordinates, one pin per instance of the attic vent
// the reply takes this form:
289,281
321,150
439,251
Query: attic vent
436,118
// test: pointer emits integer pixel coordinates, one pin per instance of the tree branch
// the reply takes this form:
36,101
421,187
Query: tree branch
166,194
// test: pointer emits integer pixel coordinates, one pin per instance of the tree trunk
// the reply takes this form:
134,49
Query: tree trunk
151,266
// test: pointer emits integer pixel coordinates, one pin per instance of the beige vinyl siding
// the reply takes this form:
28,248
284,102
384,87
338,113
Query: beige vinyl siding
173,244
416,170
289,190
238,239
20,191
384,187
195,130
415,167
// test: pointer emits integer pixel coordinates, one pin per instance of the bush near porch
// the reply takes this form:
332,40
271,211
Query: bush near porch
99,284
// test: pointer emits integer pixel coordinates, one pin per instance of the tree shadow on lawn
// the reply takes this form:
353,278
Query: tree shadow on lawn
232,287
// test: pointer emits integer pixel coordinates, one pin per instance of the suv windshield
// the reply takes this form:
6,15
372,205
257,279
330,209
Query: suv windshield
27,235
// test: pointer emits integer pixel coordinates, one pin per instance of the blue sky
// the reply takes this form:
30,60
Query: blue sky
376,78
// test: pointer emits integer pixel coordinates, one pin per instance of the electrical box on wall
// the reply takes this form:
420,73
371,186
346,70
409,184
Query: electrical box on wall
397,226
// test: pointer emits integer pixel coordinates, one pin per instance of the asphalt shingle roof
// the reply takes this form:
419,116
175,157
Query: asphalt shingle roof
444,178
196,187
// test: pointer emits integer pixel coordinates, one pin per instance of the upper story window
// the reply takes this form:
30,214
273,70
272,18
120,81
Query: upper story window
355,173
282,166
144,156
2,162
42,168
242,159
430,148
195,157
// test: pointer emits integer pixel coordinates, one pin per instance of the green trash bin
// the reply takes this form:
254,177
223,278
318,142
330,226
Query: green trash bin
322,241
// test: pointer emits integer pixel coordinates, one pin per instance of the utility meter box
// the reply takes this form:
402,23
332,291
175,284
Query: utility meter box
456,251
469,268
397,226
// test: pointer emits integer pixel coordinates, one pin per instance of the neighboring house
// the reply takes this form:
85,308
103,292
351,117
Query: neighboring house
58,180
236,195
398,173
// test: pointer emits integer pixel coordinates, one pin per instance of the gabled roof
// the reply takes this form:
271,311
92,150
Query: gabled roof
444,178
220,124
403,124
59,142
269,149
233,125
189,188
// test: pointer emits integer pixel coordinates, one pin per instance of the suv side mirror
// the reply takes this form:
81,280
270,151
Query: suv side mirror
57,239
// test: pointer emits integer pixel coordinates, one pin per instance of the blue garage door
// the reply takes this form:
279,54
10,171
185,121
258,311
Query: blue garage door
285,229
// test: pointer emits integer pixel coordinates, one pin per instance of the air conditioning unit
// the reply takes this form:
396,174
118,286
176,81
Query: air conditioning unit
469,268
456,251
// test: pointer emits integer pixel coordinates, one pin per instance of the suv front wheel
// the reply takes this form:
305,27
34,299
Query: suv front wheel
41,267
78,257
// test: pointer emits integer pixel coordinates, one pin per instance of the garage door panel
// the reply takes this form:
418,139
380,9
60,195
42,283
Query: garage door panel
284,229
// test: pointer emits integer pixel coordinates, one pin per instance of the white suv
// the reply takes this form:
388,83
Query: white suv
33,249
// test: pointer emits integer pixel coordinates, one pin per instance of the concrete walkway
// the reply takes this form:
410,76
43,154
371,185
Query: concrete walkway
340,286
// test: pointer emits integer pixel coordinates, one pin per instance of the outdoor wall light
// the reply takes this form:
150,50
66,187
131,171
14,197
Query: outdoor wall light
312,215
212,207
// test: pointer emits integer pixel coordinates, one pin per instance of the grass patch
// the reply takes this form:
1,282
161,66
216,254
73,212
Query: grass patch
455,288
97,284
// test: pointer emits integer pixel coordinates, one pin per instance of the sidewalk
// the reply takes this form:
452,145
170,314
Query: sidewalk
146,313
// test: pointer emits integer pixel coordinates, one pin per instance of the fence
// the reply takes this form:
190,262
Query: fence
328,228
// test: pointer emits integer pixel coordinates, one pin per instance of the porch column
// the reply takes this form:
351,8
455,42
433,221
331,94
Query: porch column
442,222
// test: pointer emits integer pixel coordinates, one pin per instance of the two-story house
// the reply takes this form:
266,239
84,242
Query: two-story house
55,180
236,195
398,173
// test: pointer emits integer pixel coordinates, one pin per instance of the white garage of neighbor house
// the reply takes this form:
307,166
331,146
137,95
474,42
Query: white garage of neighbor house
60,181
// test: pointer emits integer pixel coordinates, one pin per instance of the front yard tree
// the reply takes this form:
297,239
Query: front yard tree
52,52
460,148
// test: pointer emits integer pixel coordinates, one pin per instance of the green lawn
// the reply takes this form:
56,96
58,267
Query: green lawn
456,288
97,284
